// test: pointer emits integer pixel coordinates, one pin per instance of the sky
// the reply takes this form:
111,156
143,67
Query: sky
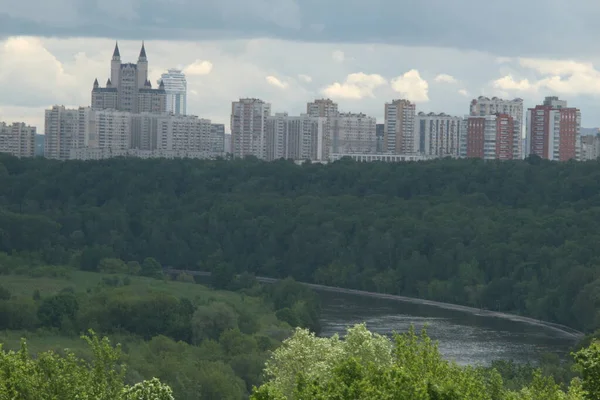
437,53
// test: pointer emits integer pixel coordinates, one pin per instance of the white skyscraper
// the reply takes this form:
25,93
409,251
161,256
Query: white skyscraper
176,87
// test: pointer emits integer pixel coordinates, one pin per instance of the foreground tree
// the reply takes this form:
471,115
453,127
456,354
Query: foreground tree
369,366
51,376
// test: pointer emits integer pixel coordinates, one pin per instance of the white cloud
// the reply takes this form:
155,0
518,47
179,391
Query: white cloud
273,81
445,78
503,60
463,92
305,78
357,86
338,56
509,83
566,77
198,67
412,86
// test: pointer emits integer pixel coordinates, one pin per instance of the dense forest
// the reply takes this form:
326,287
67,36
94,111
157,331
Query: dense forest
516,236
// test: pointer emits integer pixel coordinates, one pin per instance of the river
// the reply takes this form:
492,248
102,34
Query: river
464,337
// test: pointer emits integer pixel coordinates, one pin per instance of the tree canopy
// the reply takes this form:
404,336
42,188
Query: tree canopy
517,236
368,366
51,376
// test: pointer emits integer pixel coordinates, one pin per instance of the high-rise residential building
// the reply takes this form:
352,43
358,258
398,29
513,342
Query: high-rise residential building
295,137
438,134
553,130
17,139
590,147
248,127
353,134
483,106
175,86
379,134
322,108
128,88
66,129
217,139
399,130
491,137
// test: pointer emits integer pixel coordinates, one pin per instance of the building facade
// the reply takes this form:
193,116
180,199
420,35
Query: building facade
17,139
175,86
553,130
128,88
491,137
66,129
438,134
483,106
399,129
295,137
353,134
323,108
85,133
590,147
248,127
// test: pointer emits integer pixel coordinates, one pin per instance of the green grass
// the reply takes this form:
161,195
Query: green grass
80,281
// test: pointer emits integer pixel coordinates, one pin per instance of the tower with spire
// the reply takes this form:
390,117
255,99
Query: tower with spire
128,88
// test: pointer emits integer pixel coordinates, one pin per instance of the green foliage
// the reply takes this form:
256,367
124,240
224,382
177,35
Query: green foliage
367,366
51,376
588,361
151,268
493,235
154,320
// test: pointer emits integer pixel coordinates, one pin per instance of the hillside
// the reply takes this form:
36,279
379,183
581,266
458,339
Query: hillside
514,236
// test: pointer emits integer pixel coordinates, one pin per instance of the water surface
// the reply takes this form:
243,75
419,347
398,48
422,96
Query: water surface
463,337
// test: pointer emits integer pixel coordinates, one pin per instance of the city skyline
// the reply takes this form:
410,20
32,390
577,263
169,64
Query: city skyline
217,74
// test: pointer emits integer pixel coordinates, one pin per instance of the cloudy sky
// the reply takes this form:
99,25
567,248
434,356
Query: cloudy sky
437,53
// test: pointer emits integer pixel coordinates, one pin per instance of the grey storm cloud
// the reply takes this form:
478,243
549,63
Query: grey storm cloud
513,27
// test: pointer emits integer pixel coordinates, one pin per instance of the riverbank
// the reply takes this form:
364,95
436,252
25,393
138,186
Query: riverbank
564,330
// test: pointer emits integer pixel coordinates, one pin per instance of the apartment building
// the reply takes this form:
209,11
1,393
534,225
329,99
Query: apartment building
491,137
399,128
554,130
484,106
438,135
17,139
248,127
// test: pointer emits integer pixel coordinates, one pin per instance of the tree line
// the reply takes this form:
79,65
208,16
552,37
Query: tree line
517,236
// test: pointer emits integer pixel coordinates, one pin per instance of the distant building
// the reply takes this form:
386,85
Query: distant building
217,138
379,135
438,134
590,147
128,88
248,127
553,130
392,158
17,139
322,108
491,137
399,130
175,86
353,133
85,133
295,137
66,129
483,106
